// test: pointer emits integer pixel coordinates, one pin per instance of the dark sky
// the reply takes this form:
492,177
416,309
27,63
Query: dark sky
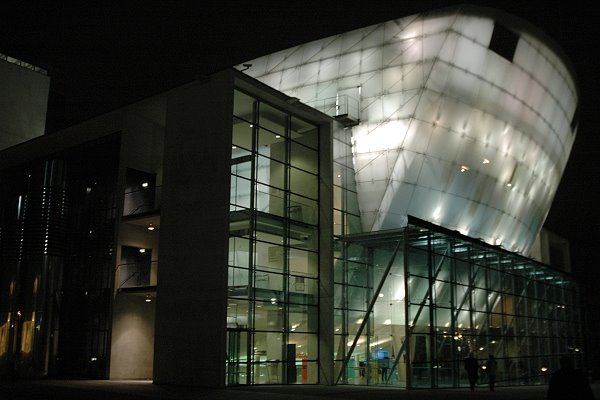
100,57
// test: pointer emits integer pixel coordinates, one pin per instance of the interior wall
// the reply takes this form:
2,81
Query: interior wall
139,236
132,349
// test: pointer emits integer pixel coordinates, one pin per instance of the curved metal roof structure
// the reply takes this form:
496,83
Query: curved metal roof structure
466,118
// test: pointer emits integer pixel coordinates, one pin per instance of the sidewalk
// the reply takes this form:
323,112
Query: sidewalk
145,390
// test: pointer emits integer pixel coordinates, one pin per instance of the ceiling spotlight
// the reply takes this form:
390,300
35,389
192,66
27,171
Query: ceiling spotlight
150,227
464,168
145,184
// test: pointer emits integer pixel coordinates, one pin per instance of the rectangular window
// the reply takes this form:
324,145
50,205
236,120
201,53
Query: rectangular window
504,42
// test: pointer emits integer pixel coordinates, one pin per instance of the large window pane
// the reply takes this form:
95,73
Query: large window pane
304,263
269,257
270,172
243,105
239,252
303,290
239,193
304,237
237,313
269,286
268,317
269,200
304,183
303,318
303,209
304,158
305,133
238,282
241,137
272,145
272,119
306,345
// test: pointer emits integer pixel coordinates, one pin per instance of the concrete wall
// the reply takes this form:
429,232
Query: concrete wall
23,104
132,349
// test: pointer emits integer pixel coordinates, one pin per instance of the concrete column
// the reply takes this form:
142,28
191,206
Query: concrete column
190,330
326,287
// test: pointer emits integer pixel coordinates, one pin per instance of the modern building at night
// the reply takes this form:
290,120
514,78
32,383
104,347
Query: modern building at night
387,188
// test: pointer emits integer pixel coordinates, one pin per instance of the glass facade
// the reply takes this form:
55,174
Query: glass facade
273,302
412,304
57,221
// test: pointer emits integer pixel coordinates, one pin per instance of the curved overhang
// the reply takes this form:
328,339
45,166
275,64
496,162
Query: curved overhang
465,117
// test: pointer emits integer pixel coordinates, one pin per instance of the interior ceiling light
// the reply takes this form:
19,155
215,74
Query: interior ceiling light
150,227
145,184
485,161
464,168
142,251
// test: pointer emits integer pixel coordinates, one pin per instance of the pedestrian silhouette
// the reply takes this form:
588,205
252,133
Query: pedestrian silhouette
471,367
569,383
491,366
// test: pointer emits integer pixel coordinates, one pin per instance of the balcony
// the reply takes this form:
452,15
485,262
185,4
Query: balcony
343,108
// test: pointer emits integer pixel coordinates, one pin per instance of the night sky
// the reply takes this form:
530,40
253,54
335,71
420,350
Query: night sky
101,57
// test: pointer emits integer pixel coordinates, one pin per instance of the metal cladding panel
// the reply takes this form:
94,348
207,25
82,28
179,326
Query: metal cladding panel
450,131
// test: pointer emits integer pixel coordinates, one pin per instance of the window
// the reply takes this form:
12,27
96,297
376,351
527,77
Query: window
504,42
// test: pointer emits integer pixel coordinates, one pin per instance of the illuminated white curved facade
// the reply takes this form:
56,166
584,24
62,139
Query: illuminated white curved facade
450,131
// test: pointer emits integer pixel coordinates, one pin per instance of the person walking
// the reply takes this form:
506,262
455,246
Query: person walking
471,366
491,366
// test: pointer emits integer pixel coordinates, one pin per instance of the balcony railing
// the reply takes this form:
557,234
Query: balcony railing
342,107
135,275
143,201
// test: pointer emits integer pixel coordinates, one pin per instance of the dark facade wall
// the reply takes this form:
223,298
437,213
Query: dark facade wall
191,295
23,104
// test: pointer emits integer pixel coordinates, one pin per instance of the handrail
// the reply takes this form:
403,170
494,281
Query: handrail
142,203
337,106
137,270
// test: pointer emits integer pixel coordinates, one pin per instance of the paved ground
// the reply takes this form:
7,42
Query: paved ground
145,390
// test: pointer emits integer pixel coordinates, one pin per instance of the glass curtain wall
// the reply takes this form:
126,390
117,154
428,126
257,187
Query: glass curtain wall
57,221
414,303
272,313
